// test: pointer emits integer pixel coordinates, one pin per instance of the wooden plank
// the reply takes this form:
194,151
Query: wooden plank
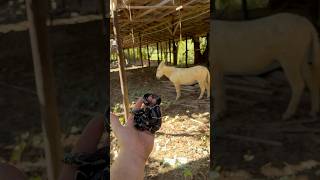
122,72
37,11
163,2
155,7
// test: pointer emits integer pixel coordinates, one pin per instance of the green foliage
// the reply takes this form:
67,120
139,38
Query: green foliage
20,147
132,54
117,108
203,44
187,172
122,119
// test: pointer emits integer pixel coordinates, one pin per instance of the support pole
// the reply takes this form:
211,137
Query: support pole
175,53
170,51
37,11
186,51
245,9
166,52
158,53
161,51
141,51
148,55
122,72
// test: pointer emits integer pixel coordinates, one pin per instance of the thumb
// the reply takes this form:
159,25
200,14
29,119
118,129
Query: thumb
115,123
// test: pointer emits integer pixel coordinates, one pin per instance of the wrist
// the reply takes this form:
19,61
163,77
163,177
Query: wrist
127,164
134,157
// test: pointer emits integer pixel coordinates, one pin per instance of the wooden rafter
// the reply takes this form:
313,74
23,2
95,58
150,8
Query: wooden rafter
158,20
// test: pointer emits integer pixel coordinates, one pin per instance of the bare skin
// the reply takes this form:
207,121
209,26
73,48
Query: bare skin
135,148
87,143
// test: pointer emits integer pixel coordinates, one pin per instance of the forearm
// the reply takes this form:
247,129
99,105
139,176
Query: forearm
127,166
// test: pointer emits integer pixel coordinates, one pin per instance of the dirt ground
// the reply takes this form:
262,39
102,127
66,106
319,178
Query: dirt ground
181,148
80,78
255,107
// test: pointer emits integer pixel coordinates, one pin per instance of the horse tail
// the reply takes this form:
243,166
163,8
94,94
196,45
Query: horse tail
316,56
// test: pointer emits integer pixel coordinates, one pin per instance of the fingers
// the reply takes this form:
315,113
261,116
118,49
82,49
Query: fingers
137,106
90,136
115,123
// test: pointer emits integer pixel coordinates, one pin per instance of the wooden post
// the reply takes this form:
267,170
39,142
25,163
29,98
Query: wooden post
141,51
186,51
170,50
161,51
158,53
148,55
318,13
122,72
245,9
37,11
175,53
166,56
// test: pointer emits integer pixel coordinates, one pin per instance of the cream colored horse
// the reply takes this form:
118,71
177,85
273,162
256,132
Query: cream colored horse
253,47
186,76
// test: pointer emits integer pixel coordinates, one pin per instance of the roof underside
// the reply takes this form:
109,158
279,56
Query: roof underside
159,20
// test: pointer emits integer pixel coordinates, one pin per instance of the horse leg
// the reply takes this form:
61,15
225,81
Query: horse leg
202,88
219,101
178,91
295,79
312,85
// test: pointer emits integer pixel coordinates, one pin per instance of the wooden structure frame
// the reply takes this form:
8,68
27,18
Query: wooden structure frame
37,12
159,20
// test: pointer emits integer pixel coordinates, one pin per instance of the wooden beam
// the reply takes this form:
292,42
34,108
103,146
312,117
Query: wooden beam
184,5
37,11
155,7
163,2
122,72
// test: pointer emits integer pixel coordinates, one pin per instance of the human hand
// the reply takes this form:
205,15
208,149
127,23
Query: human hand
133,143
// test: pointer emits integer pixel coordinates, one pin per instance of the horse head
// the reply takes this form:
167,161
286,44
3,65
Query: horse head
160,70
